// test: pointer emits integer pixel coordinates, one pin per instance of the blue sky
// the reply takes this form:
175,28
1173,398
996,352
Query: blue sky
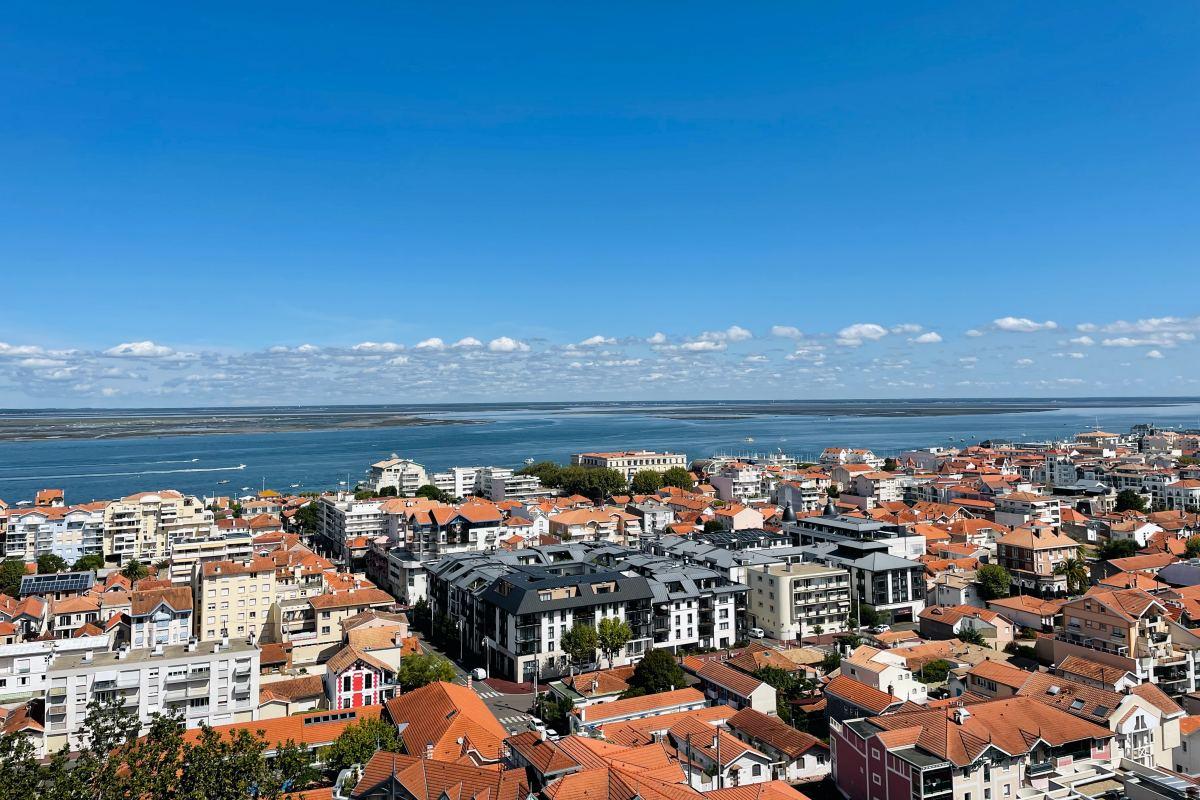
200,204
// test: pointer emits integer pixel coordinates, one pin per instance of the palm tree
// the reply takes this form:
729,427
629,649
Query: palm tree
1076,573
135,570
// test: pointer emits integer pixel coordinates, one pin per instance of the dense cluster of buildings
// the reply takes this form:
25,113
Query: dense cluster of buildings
939,623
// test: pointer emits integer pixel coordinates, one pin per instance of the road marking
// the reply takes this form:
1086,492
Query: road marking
488,695
514,720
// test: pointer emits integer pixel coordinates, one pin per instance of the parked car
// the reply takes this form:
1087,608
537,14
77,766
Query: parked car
881,629
479,673
758,633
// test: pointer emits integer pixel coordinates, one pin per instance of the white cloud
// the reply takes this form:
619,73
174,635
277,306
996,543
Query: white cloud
597,341
467,341
854,335
397,361
907,327
1023,325
1024,362
378,347
973,332
39,363
786,332
1068,355
969,360
146,349
1148,325
703,346
1085,341
308,348
932,337
1154,354
657,338
432,343
506,344
756,359
738,334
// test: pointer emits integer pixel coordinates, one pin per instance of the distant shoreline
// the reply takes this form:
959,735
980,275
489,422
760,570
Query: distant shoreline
130,427
83,424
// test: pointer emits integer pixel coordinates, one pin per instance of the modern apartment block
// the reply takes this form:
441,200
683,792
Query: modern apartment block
147,525
343,520
1021,508
210,684
401,474
789,601
69,532
631,462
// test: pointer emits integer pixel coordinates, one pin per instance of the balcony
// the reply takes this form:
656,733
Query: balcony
932,788
1037,768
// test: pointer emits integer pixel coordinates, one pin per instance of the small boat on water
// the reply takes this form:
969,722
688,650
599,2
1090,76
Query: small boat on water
224,481
295,486
528,461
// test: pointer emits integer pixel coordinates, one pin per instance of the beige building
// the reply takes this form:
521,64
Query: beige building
147,525
234,597
790,600
1031,555
401,474
313,625
631,462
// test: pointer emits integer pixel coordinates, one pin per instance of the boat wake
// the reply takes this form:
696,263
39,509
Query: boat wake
123,474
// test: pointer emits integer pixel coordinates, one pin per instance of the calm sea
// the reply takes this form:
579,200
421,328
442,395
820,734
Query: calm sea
320,459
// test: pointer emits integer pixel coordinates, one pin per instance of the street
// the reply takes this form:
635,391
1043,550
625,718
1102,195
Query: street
512,708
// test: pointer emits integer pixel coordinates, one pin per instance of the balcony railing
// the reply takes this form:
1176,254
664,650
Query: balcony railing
1039,768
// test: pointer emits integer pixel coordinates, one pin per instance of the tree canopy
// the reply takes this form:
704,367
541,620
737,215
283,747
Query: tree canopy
994,581
971,636
1076,573
89,563
431,492
613,634
646,481
1192,547
678,477
580,643
596,484
359,741
419,670
11,572
935,671
658,671
49,563
116,763
1117,548
135,570
1130,500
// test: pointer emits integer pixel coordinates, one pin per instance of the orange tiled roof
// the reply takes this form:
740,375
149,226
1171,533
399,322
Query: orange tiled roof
637,705
774,732
738,682
434,779
861,695
445,713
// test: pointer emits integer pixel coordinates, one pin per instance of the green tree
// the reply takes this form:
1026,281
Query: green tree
1191,548
866,615
593,483
419,670
89,563
680,478
833,491
308,517
994,581
553,710
1116,548
1129,500
788,688
236,510
1076,573
934,671
420,616
890,465
361,740
549,473
580,643
646,481
658,671
388,491
135,570
21,773
713,526
831,661
359,494
431,492
11,572
971,636
49,563
613,634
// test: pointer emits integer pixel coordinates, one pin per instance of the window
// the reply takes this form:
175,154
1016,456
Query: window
346,683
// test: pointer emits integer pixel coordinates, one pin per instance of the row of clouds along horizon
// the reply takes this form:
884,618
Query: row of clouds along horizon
782,360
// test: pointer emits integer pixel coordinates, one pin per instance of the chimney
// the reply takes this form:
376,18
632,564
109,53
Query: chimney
87,656
429,750
225,641
961,715
217,647
542,734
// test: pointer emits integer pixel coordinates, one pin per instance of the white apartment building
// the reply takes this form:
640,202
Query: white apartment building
147,525
835,456
1182,495
160,617
25,665
801,495
211,684
1021,508
458,482
189,556
67,532
886,671
342,518
402,474
739,483
502,483
789,601
631,462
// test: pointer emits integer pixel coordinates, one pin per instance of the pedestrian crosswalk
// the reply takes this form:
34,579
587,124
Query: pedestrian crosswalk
519,719
489,694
